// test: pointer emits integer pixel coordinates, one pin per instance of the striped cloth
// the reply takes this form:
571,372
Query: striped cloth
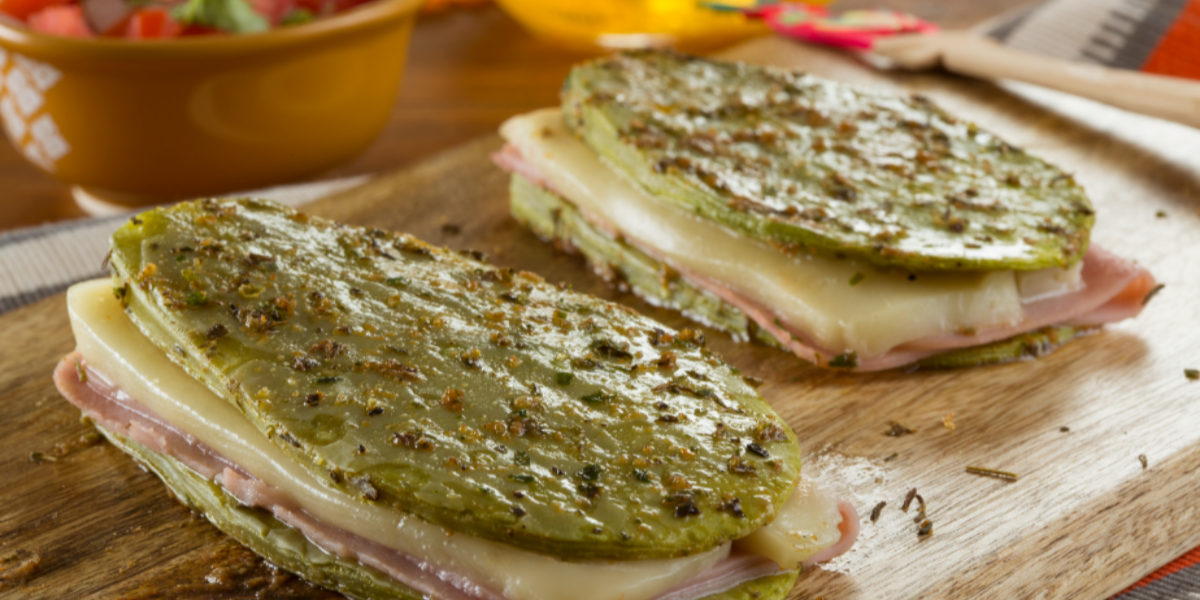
1153,36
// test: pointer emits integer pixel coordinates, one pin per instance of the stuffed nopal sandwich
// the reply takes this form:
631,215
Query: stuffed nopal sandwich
393,420
859,229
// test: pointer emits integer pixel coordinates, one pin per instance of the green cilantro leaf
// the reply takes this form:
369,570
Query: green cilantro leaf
232,16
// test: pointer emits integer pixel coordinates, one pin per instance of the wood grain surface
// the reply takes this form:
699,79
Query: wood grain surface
1084,519
468,70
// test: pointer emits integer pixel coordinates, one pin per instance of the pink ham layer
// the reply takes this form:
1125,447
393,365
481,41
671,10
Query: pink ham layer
1114,290
118,412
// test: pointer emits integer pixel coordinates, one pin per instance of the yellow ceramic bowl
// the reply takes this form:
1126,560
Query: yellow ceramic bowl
156,120
602,25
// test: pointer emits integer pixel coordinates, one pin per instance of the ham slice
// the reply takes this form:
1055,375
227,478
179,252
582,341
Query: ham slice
1113,289
849,528
118,412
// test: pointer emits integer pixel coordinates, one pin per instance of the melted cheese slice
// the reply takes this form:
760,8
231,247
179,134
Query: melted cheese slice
111,343
807,524
809,294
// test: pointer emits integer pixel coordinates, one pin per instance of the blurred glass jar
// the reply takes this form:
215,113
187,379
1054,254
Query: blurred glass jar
599,25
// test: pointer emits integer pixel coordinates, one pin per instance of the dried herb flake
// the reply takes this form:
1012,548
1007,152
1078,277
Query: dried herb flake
875,512
988,472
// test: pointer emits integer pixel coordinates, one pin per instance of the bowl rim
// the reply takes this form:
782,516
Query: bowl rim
16,37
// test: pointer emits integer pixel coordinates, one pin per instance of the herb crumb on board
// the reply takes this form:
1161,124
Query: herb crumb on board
989,472
1192,374
1152,293
875,512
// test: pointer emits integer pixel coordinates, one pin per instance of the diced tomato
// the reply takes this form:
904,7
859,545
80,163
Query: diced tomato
21,9
273,10
64,21
153,24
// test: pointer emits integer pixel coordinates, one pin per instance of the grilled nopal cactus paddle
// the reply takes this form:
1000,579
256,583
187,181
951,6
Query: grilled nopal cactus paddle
479,399
810,165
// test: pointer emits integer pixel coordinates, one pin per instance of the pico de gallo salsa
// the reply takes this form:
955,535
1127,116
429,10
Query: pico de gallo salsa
165,19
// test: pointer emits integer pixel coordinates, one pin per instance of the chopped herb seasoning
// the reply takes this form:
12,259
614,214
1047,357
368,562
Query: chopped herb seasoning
908,498
875,512
327,380
686,509
564,378
522,478
1161,214
987,472
1154,292
396,281
1064,429
891,457
848,360
597,398
926,529
1192,374
454,399
754,448
590,472
641,475
414,441
1145,461
80,372
899,429
857,279
521,458
197,299
589,490
39,457
734,507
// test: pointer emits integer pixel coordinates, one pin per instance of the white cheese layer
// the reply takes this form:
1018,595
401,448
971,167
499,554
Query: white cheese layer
112,344
807,524
880,311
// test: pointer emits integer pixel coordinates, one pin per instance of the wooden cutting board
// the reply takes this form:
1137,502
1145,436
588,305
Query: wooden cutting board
1084,520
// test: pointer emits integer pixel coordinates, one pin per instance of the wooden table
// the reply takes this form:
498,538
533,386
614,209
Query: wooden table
469,69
